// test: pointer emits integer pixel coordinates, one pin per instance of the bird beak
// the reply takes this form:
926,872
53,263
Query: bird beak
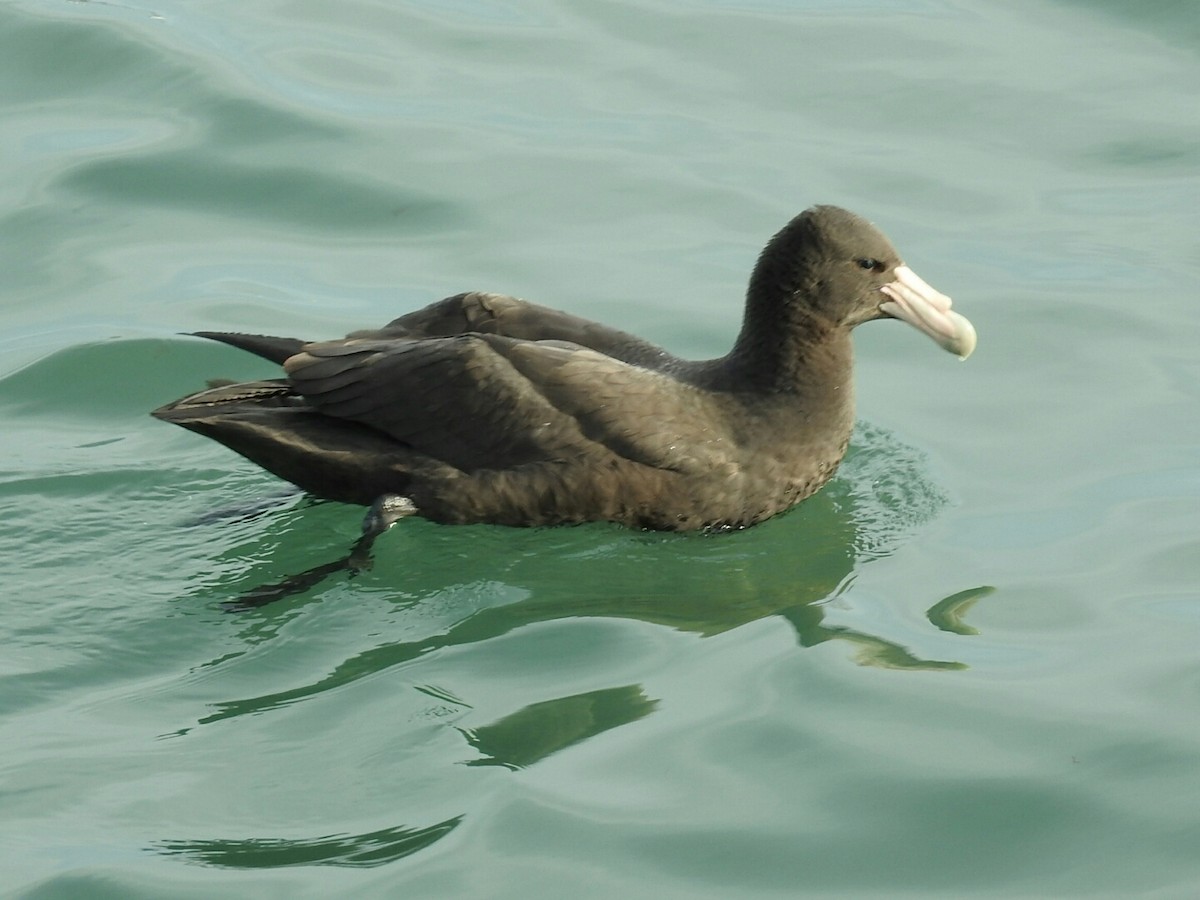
927,310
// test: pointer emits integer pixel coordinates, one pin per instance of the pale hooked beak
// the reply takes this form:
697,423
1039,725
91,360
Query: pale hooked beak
928,311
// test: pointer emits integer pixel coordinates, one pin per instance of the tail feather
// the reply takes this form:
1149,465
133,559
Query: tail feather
275,349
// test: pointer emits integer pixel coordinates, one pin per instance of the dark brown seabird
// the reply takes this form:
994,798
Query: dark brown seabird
485,408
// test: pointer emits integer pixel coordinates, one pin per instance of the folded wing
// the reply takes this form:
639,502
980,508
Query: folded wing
483,401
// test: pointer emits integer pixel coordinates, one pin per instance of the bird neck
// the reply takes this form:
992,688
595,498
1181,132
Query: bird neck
787,347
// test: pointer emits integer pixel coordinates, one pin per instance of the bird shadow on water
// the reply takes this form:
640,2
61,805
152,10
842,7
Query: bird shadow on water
699,583
702,584
373,848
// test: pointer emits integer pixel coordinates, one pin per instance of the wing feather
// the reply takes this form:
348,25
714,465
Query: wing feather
489,401
454,399
637,413
480,312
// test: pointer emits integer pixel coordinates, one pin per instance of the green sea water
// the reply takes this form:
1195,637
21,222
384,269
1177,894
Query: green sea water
967,668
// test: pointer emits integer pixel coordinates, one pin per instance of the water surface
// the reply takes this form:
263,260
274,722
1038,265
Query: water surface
966,668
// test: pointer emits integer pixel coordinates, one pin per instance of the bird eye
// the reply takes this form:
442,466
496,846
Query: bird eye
869,263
